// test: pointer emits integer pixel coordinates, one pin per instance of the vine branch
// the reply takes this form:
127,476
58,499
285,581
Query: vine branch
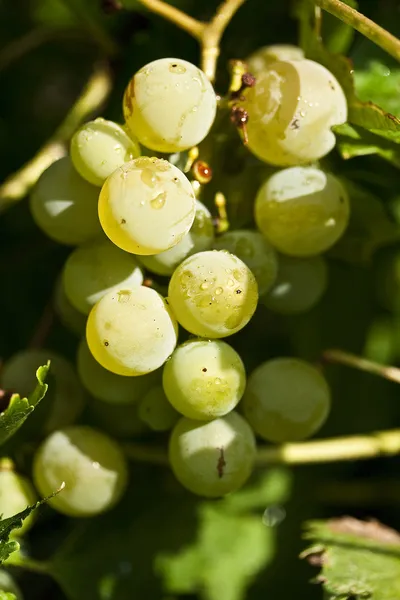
363,364
361,23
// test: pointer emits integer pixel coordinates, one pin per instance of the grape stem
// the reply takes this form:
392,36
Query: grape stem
92,97
358,447
361,23
208,34
351,360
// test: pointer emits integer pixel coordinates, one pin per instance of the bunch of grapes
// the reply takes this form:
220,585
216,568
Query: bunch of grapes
157,282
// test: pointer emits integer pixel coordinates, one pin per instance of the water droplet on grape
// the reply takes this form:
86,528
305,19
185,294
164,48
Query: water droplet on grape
159,201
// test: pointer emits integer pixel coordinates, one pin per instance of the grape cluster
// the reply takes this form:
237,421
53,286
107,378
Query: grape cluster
133,199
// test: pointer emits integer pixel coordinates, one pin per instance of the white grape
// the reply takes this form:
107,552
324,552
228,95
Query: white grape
213,294
89,463
8,585
261,59
131,331
69,316
96,268
146,206
16,494
204,379
99,147
169,105
64,205
155,410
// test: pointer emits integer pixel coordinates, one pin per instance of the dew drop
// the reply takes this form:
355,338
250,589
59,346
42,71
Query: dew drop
204,286
218,291
149,178
159,201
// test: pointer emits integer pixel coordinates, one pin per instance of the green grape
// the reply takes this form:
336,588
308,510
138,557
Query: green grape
8,585
71,318
286,399
291,111
99,147
107,386
299,286
156,411
213,294
199,238
146,206
64,205
214,458
19,375
381,344
169,105
93,270
255,252
132,331
204,379
264,57
119,420
91,465
302,211
16,493
387,279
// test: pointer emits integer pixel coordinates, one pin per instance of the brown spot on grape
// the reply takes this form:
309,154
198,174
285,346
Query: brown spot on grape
221,464
106,343
204,370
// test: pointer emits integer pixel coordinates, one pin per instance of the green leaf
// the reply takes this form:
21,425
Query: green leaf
19,408
358,559
352,141
7,596
381,85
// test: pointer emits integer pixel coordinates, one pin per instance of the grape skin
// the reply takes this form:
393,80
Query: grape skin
291,111
302,211
64,205
16,493
146,206
199,238
90,463
254,250
99,147
131,332
286,399
214,458
299,286
95,269
204,379
155,410
169,105
261,59
69,316
213,294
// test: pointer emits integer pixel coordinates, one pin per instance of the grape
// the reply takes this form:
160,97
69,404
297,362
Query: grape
213,294
132,331
64,205
255,252
291,110
300,284
8,585
387,279
96,268
286,399
204,379
264,57
199,238
107,386
156,411
169,105
19,375
99,147
71,318
302,211
90,463
146,206
119,420
214,458
16,493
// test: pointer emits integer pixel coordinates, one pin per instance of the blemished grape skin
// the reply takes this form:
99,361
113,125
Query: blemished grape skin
155,410
146,206
64,205
214,458
213,294
254,250
299,286
107,386
204,379
291,111
199,238
99,147
302,211
91,465
16,494
132,331
261,59
18,374
286,399
169,105
96,268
